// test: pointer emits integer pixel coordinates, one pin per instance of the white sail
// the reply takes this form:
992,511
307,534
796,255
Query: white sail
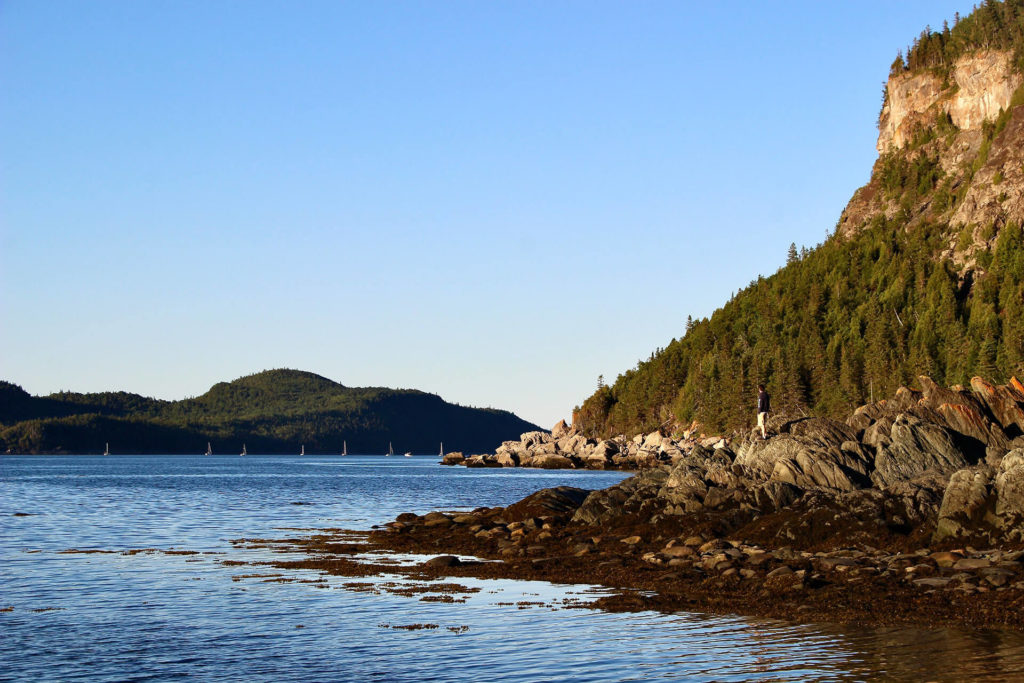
209,448
303,450
244,452
106,451
391,451
344,447
442,449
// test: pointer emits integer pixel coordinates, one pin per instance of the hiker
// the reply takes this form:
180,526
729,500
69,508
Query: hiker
764,406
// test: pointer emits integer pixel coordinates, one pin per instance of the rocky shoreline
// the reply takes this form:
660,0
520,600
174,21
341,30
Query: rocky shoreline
909,512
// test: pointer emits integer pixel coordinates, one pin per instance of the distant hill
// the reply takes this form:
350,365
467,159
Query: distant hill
923,274
277,411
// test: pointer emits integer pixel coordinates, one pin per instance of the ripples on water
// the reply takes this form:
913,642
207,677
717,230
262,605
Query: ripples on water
159,616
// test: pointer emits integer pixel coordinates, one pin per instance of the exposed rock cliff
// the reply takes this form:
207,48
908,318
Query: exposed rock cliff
980,87
967,129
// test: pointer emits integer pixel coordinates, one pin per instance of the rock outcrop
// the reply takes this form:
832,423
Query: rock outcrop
982,85
942,461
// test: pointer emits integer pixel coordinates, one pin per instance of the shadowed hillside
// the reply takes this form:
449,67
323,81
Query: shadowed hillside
277,411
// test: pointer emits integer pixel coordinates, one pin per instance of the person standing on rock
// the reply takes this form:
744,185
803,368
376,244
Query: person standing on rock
764,406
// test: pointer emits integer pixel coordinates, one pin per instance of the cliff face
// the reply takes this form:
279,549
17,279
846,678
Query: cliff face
951,152
980,87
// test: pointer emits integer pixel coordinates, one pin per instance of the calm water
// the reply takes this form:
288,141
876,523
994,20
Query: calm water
155,616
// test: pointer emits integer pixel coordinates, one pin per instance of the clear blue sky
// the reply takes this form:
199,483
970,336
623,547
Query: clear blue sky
493,201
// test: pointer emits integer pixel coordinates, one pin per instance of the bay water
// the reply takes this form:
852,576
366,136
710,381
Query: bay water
152,590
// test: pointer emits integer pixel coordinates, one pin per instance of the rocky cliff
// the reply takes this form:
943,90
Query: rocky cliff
979,89
967,127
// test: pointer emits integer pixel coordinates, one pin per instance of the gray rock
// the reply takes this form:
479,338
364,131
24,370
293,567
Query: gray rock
965,503
916,447
1009,489
443,561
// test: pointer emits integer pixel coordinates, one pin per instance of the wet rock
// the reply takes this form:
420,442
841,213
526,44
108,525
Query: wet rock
972,563
945,559
561,500
443,561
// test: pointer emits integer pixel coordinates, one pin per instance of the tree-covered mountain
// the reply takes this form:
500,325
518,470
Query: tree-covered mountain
924,273
277,411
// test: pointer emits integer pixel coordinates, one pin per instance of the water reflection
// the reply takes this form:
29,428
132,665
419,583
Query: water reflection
113,616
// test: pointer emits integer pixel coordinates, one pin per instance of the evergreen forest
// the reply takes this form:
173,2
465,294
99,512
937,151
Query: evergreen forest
906,293
277,411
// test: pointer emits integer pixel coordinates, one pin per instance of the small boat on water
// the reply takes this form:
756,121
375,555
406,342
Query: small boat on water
344,448
408,455
209,449
442,449
391,451
106,451
303,450
244,452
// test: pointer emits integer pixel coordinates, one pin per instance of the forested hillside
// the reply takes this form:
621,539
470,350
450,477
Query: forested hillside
277,411
924,273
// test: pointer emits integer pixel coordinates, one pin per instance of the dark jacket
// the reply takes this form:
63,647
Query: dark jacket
763,402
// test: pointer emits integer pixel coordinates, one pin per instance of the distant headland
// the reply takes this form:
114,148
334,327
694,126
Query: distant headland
275,411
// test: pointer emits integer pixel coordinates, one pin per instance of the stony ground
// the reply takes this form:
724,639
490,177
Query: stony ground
664,567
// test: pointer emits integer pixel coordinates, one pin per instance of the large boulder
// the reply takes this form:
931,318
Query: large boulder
810,454
916,447
985,501
551,461
454,458
966,504
561,500
685,487
1009,489
531,439
561,429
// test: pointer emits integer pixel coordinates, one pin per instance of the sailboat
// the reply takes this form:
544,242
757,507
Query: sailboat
244,452
106,451
303,451
442,449
391,451
209,449
344,448
408,455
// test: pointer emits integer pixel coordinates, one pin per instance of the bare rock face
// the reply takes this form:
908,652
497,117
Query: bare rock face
561,429
530,439
965,503
985,83
916,447
561,500
1009,488
454,458
551,461
1004,403
811,454
985,501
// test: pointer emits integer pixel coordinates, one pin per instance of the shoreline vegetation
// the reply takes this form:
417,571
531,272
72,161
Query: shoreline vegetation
908,513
